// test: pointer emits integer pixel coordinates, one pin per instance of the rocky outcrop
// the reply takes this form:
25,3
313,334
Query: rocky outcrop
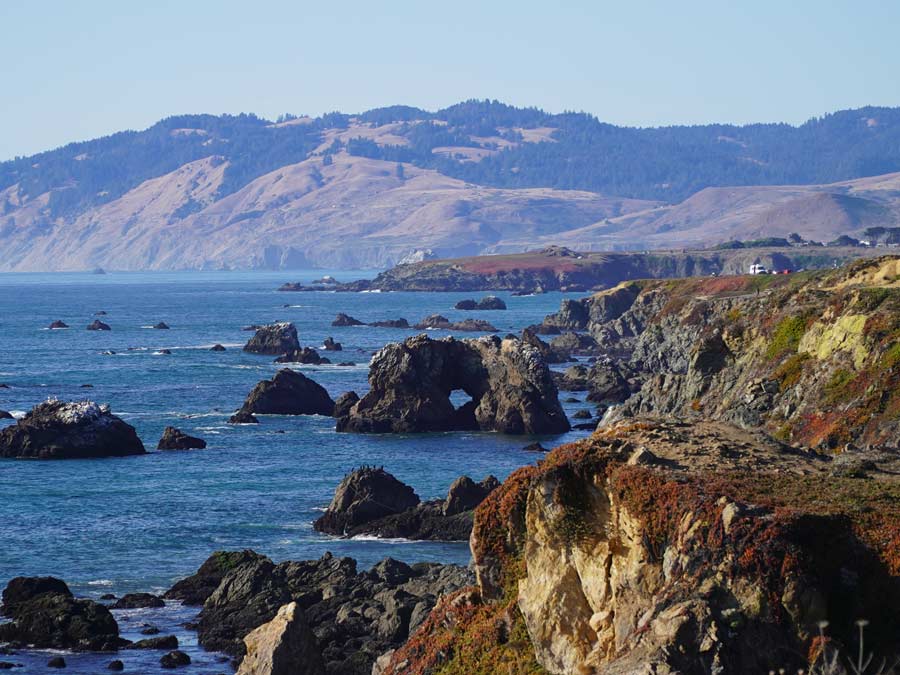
276,338
548,353
411,382
487,302
329,345
354,616
243,416
217,348
69,430
344,403
372,501
283,646
6,415
343,320
195,589
390,323
303,355
96,324
575,343
162,325
663,547
288,393
43,613
57,325
175,439
438,322
138,601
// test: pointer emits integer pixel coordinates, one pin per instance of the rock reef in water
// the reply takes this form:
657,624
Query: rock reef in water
69,430
486,303
305,355
96,324
175,439
273,339
438,322
288,393
411,382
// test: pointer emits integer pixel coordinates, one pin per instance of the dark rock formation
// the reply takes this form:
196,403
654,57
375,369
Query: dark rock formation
138,601
347,363
582,414
175,659
5,415
548,353
342,320
58,324
443,323
371,501
44,614
575,343
390,323
535,447
276,338
162,325
175,439
289,393
96,324
243,417
162,642
355,616
344,402
163,351
575,378
69,430
303,355
365,495
487,302
329,345
56,662
195,589
217,348
116,665
411,382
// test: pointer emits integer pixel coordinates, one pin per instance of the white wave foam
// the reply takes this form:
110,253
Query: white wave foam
100,582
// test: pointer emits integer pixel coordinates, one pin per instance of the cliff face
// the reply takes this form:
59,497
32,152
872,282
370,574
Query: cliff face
664,547
812,358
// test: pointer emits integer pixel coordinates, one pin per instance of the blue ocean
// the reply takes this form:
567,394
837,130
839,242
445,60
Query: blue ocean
140,523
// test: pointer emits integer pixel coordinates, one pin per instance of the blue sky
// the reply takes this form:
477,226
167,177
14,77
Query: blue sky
77,70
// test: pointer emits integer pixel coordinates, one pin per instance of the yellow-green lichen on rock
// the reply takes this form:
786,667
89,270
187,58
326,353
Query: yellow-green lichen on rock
846,333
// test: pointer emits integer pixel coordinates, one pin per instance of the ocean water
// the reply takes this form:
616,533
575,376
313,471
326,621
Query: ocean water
119,525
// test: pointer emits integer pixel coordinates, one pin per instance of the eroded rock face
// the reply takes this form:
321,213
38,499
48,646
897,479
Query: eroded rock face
344,403
276,338
69,430
283,646
46,615
510,385
176,439
288,393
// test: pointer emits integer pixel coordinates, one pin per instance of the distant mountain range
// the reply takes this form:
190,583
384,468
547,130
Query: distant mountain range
369,190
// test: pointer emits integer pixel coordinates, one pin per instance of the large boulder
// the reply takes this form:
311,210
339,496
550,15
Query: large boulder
306,355
195,589
365,495
176,439
411,382
69,430
276,338
283,646
46,615
289,393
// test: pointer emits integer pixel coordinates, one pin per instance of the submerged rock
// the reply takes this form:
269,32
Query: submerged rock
96,324
162,325
217,348
69,430
390,323
283,646
44,614
175,439
175,659
289,393
343,320
58,324
303,355
243,417
162,642
276,338
138,601
411,382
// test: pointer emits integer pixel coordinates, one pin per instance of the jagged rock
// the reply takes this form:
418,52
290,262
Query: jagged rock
276,338
162,642
330,345
283,646
217,348
343,320
344,403
96,324
195,589
58,324
607,383
390,323
548,353
175,439
509,383
362,496
289,393
303,355
162,325
443,323
138,600
69,430
487,302
44,614
465,494
243,417
175,659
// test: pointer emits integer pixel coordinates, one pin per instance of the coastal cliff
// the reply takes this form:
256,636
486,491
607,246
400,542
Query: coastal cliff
661,547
